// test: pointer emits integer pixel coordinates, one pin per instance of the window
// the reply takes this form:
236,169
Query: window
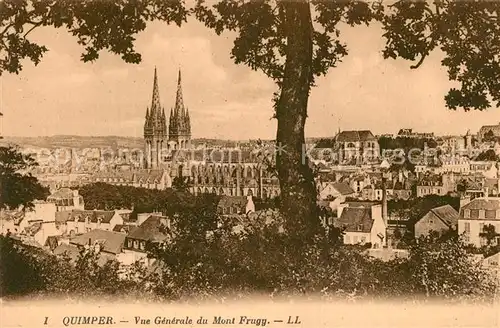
347,239
481,214
355,239
360,227
467,228
363,240
467,215
143,245
136,244
490,214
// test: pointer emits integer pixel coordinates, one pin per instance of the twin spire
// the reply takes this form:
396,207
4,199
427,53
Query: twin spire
179,121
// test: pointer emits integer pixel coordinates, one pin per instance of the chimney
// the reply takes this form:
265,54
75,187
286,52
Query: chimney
464,201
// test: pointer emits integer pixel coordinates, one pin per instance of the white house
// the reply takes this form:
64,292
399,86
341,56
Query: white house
475,216
333,190
78,222
362,223
66,200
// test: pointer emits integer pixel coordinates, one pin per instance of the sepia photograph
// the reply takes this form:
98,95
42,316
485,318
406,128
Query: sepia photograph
242,163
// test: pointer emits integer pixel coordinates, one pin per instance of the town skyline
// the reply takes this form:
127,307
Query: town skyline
64,96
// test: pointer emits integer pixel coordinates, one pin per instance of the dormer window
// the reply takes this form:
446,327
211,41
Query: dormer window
360,227
466,214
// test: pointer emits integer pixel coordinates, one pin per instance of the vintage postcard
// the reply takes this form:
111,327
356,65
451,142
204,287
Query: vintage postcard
249,163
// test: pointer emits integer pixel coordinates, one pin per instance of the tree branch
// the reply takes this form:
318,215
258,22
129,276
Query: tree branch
6,28
420,62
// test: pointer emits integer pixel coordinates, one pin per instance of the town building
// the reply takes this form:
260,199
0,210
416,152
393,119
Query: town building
357,146
488,130
155,229
159,179
331,190
436,184
362,223
107,244
409,133
440,219
475,216
235,205
77,222
66,199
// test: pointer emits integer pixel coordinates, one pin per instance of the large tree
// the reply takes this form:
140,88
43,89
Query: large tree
17,186
292,42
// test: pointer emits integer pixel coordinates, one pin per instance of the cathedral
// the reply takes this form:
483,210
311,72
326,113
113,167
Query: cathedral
158,140
230,172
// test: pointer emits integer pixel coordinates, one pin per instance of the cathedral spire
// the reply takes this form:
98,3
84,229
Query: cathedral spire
188,122
179,102
155,101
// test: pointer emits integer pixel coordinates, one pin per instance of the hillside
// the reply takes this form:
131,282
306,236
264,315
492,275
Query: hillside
64,141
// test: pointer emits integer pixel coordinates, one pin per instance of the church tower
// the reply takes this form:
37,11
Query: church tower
155,129
179,122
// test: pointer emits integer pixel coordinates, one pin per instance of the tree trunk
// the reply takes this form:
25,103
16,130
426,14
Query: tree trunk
298,191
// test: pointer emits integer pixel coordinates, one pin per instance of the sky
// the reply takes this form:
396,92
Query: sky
63,95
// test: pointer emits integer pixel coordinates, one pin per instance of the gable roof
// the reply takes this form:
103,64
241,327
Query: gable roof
152,229
112,241
343,188
447,214
63,193
493,128
483,204
125,227
354,218
353,136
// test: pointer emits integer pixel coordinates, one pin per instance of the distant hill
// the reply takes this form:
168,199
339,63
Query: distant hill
66,141
114,142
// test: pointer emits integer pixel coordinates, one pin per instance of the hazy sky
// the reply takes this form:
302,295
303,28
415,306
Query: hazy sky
63,95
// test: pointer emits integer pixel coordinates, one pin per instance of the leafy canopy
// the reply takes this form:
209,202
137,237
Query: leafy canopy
17,186
466,32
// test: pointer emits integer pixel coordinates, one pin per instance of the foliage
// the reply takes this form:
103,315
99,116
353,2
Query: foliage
27,270
181,184
415,208
490,136
17,185
489,233
467,34
258,260
104,196
446,270
488,155
405,143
